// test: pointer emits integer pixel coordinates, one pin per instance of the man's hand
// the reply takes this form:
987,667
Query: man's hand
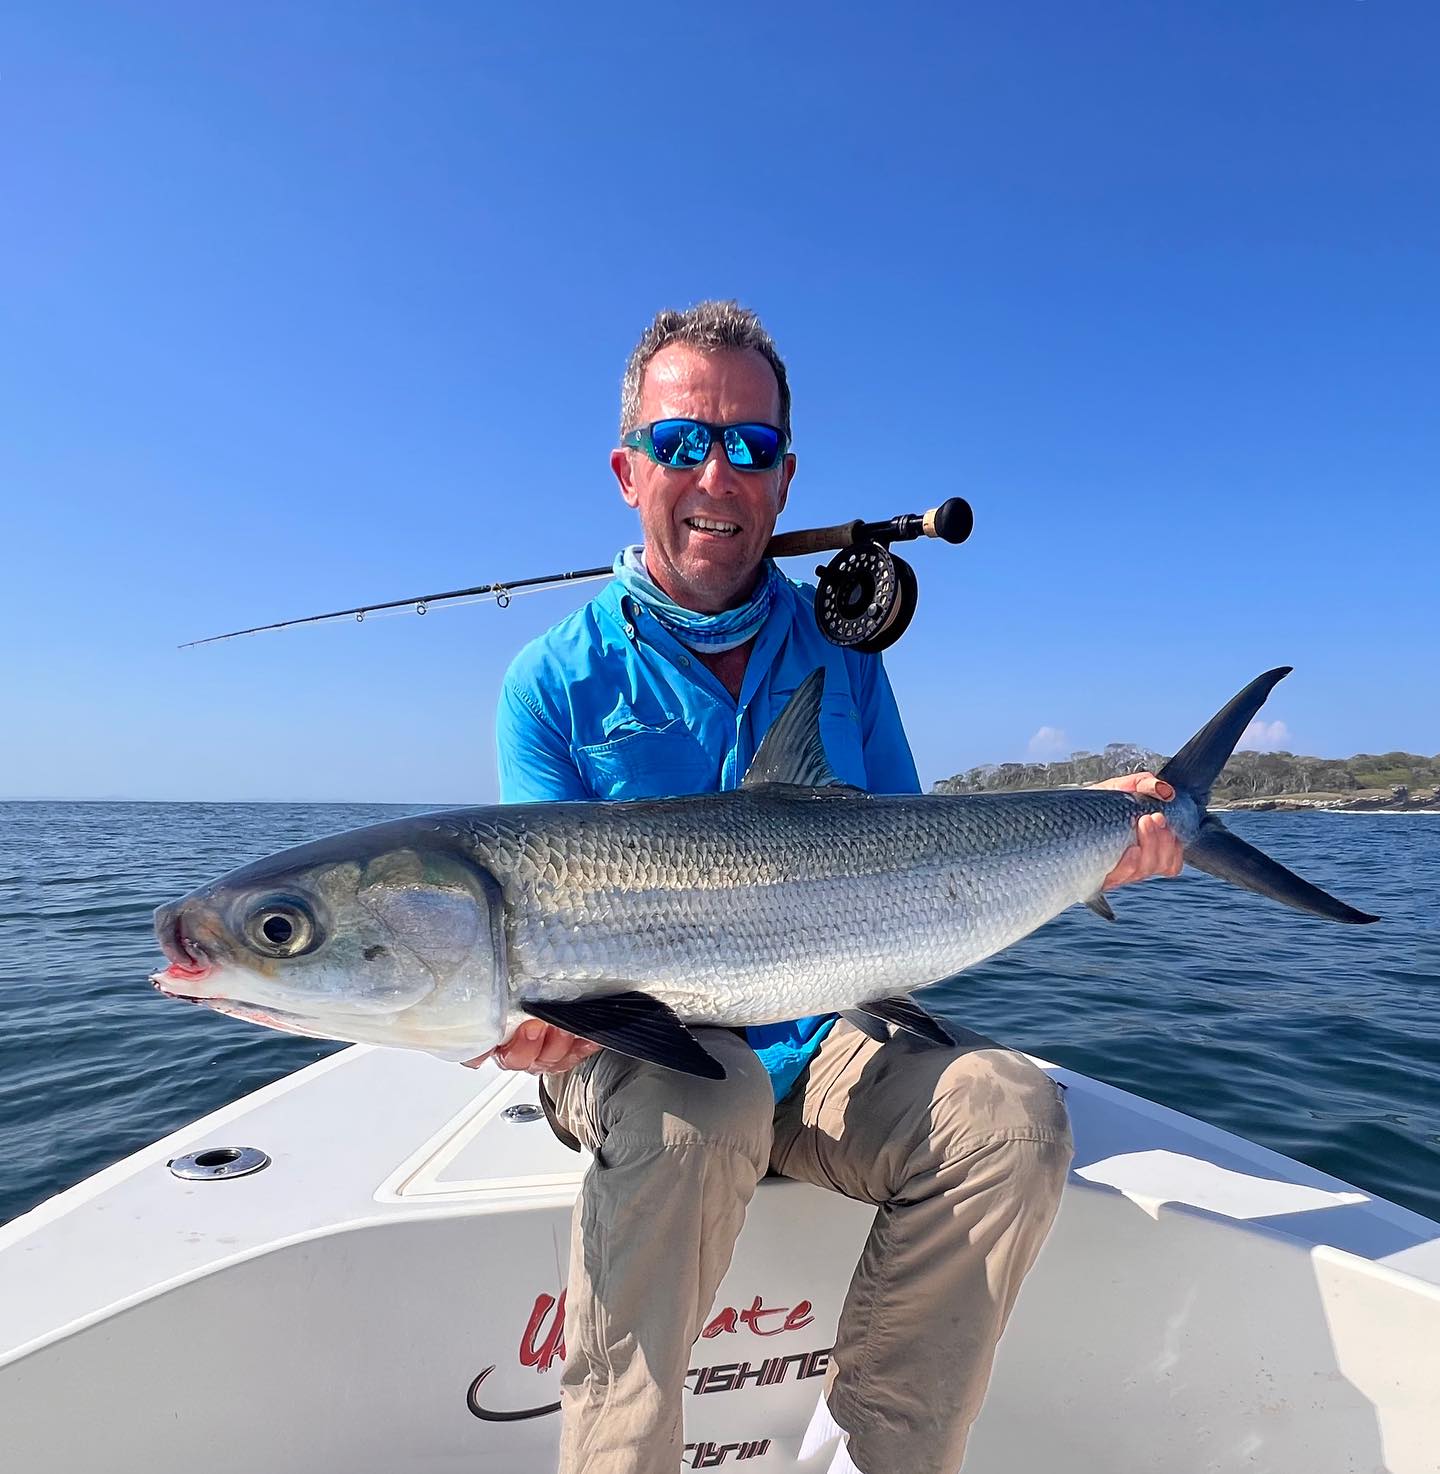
538,1049
1156,851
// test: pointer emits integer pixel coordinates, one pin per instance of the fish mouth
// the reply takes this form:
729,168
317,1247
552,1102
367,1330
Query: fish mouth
266,1014
189,962
186,961
255,1013
167,980
180,983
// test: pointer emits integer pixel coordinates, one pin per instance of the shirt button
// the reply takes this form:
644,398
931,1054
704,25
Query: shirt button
629,631
684,660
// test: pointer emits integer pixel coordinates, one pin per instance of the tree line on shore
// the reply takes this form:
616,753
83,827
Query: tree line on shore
1247,775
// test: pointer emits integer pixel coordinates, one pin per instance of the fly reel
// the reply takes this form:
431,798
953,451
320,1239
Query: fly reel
866,595
866,598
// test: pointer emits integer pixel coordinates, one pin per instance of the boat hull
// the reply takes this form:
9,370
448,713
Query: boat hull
386,1294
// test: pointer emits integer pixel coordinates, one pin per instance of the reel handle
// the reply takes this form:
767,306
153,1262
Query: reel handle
952,521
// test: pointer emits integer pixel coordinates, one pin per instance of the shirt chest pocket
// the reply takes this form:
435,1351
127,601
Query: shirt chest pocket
638,760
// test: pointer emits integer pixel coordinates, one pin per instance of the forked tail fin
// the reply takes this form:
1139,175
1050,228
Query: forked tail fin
1215,850
1197,765
1220,853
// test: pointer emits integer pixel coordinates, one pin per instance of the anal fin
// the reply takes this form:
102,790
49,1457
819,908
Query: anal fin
631,1023
1100,906
872,1028
905,1013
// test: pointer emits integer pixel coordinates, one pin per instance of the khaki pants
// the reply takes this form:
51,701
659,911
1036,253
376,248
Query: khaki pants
963,1151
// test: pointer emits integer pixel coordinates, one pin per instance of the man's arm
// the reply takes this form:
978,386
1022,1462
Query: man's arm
533,757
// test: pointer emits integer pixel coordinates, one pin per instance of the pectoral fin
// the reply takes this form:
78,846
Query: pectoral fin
631,1023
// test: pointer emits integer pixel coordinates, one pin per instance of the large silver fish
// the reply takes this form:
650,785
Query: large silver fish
624,922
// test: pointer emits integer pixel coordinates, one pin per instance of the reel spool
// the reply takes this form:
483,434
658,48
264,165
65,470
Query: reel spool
865,598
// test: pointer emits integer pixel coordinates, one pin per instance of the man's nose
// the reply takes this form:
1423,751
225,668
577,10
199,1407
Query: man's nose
717,475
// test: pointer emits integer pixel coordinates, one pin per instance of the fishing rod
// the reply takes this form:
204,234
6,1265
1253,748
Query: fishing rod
865,596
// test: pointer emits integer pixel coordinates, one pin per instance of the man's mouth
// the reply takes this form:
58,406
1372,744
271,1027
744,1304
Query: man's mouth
712,526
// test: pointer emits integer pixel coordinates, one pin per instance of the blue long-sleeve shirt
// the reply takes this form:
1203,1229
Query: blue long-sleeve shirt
609,705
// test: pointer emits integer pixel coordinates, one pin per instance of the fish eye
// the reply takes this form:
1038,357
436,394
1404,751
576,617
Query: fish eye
281,927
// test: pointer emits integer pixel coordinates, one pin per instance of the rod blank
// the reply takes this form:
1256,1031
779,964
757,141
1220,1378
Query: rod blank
951,521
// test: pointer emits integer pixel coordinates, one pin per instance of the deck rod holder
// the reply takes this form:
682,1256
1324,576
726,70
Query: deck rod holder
215,1163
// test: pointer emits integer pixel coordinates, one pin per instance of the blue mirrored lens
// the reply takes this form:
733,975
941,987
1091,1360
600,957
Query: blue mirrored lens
686,443
752,447
680,442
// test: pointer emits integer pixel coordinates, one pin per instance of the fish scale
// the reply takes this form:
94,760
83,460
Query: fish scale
759,906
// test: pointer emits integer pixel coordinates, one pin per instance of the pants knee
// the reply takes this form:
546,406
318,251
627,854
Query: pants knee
997,1094
645,1102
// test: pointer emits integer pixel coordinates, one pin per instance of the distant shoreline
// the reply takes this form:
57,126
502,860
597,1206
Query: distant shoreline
1251,782
1305,803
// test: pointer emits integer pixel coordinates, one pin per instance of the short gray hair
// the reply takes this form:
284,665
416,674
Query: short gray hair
707,325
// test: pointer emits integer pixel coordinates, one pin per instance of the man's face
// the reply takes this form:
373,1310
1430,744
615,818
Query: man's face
705,528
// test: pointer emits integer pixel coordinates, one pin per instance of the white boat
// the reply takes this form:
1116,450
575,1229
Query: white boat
383,1295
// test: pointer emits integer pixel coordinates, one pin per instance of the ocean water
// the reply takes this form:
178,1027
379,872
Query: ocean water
1321,1041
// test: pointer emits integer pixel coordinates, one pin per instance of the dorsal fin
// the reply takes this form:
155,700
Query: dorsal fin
792,751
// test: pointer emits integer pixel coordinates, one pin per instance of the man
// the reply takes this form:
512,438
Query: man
664,684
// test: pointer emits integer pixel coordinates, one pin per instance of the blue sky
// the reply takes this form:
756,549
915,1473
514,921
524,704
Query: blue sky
303,305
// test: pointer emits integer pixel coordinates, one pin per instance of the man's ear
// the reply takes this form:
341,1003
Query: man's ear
786,475
622,464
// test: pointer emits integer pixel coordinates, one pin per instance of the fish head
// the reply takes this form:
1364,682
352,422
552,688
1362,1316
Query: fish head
399,944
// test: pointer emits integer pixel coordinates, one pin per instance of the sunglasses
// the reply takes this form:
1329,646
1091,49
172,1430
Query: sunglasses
684,444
